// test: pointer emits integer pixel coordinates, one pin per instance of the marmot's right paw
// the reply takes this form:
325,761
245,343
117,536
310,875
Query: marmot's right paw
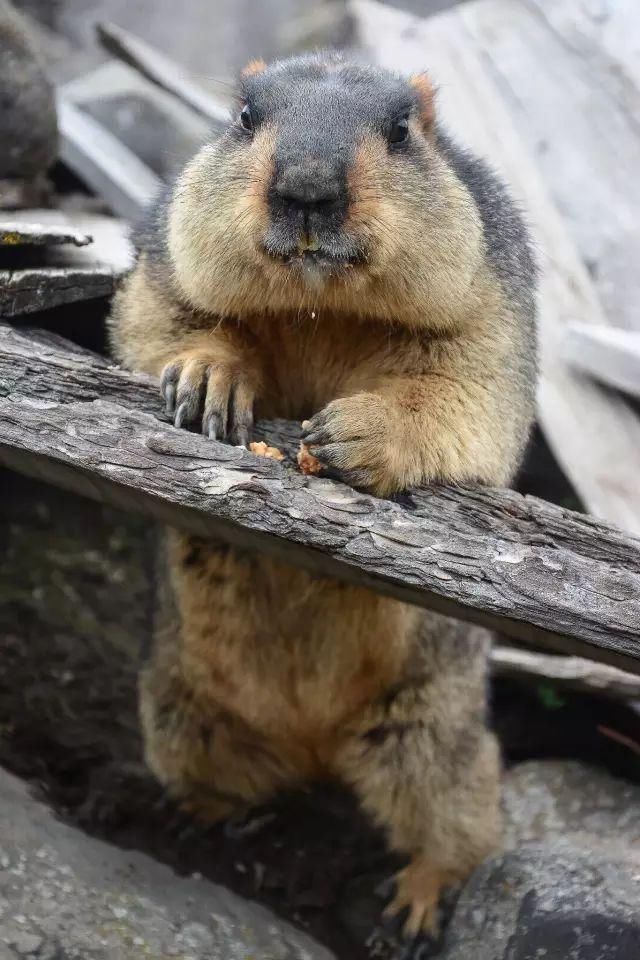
197,387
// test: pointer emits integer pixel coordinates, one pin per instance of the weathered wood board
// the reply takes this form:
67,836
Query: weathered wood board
29,290
611,356
162,131
112,171
568,71
23,230
594,434
65,274
163,71
530,569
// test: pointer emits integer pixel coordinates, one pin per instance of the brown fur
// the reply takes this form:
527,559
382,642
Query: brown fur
266,677
422,83
254,66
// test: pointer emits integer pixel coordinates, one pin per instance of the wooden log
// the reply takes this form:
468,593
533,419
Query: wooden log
530,569
610,355
573,672
163,71
594,434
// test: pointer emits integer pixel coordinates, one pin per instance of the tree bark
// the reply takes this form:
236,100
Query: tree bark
530,569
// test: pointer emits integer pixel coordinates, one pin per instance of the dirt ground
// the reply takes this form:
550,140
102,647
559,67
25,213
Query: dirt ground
75,603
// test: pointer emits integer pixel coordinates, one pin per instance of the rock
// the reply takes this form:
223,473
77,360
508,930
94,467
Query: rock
26,944
567,803
569,886
70,896
532,904
28,123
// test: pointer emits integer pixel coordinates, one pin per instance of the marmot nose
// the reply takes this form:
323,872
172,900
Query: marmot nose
308,183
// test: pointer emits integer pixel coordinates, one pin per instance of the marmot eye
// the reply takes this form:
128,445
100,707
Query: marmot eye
399,131
246,119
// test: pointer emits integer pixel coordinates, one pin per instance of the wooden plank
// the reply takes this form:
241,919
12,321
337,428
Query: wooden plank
610,25
581,120
112,171
531,569
66,274
28,290
594,434
161,130
610,355
110,247
27,231
163,71
605,34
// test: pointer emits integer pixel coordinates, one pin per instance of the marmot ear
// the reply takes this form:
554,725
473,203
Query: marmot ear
253,67
421,82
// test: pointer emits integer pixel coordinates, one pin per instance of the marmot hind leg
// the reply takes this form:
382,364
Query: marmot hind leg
426,769
208,760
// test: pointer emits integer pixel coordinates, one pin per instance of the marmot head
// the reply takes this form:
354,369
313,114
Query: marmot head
327,191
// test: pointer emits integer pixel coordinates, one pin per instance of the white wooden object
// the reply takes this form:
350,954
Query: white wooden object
594,433
610,355
576,107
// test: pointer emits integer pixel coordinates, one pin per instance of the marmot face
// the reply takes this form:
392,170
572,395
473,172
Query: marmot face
327,191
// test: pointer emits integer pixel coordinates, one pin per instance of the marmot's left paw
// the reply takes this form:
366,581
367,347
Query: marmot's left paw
355,436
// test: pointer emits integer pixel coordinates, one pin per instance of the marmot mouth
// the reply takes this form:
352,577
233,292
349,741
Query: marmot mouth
323,249
320,258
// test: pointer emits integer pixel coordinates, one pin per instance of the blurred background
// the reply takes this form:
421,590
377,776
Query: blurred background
210,37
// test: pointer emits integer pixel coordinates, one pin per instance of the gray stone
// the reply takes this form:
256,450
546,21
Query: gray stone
569,886
26,944
75,897
28,124
533,904
567,803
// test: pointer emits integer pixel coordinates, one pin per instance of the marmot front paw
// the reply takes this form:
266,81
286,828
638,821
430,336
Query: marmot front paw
359,437
198,387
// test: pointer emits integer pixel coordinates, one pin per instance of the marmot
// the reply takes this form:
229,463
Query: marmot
334,257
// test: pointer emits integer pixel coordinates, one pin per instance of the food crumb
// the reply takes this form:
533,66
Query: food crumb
308,464
262,449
